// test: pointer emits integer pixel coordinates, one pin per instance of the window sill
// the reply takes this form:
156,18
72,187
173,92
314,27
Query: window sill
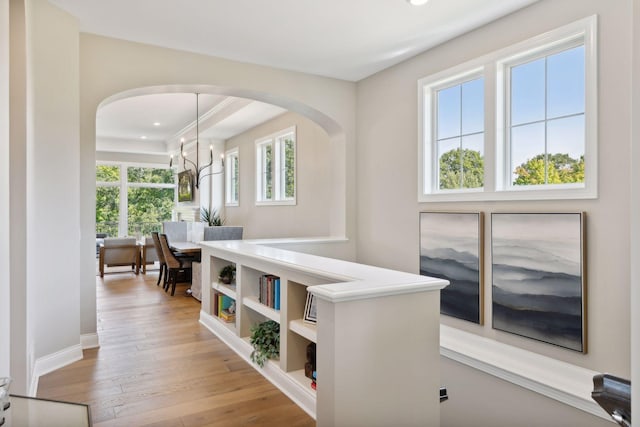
555,379
520,194
277,203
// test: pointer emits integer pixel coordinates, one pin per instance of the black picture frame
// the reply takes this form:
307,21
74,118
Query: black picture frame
185,186
310,309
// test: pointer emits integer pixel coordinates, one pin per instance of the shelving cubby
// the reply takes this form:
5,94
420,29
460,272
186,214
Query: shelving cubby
216,308
217,264
252,310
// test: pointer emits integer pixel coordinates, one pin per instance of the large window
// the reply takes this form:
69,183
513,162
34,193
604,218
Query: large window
276,168
544,109
132,200
232,177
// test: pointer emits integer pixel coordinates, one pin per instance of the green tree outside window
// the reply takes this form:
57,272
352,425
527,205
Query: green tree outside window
461,168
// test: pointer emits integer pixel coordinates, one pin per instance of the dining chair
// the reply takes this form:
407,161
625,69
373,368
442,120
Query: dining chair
163,263
175,265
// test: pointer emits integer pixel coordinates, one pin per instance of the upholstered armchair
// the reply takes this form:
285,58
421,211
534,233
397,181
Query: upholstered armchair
176,231
149,254
120,251
223,232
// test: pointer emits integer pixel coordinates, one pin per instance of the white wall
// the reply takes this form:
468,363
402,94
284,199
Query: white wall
310,216
53,168
387,171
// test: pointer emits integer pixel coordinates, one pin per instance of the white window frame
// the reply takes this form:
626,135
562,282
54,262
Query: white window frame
429,148
276,141
230,155
497,173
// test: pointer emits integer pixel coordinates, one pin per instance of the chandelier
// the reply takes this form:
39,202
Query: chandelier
194,167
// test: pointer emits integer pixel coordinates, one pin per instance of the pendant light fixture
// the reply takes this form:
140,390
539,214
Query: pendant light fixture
196,169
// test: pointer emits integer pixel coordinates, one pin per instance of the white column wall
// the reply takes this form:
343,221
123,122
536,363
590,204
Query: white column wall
5,283
635,209
20,363
53,187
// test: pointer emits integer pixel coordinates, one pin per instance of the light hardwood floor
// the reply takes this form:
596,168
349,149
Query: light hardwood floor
157,366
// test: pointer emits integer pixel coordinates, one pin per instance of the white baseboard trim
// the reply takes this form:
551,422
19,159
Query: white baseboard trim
44,365
555,379
88,341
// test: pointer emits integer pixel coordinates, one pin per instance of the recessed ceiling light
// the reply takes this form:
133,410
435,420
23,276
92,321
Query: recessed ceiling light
143,137
417,2
156,123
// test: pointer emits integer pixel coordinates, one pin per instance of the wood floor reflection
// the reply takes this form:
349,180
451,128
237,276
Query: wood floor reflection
157,366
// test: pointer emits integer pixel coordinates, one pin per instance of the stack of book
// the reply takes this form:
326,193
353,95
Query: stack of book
224,307
227,317
313,380
269,291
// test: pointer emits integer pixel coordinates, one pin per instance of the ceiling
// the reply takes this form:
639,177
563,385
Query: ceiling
154,124
344,39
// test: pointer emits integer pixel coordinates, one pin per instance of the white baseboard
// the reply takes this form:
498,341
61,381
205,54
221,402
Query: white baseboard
44,365
88,341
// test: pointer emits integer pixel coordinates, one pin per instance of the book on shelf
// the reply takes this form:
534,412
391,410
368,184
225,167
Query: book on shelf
269,291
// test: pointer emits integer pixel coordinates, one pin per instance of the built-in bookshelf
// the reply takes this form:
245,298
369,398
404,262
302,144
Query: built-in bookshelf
350,325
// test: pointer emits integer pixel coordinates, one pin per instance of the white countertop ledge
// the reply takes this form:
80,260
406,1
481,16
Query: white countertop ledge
356,281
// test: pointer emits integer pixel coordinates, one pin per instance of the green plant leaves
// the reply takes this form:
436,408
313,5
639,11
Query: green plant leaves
265,339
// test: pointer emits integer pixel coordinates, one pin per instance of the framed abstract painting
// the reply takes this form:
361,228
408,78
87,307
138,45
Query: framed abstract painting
538,277
451,248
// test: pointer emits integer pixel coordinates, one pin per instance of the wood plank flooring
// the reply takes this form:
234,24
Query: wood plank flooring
157,366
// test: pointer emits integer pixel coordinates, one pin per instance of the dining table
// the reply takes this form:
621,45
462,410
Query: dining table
187,248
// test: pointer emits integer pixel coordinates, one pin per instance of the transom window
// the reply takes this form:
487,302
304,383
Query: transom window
276,168
543,107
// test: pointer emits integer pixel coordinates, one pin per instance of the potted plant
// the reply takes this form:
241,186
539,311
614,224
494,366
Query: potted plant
265,339
227,274
211,217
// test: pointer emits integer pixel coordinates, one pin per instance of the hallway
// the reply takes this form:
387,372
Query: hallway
157,366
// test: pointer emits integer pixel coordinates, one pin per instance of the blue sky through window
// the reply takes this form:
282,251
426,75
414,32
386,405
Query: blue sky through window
461,122
547,106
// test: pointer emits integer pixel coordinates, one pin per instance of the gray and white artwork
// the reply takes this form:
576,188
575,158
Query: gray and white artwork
538,282
450,248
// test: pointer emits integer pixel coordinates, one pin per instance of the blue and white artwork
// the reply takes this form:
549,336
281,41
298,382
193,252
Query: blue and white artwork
451,248
538,281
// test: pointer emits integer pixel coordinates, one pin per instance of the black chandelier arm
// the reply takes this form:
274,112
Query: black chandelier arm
184,163
209,174
204,167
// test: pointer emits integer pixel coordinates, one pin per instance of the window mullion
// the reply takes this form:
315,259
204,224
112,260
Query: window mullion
546,117
123,223
460,142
